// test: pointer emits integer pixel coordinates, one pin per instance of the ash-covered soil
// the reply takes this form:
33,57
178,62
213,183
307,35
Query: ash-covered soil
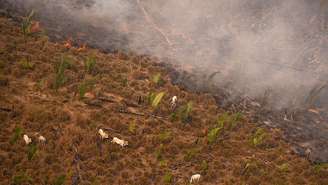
66,94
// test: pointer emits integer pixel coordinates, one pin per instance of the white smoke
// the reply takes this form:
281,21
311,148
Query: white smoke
257,45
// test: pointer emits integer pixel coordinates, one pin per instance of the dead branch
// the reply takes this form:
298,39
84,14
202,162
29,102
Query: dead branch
110,129
5,109
133,113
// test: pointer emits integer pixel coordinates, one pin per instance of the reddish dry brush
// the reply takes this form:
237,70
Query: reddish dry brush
159,150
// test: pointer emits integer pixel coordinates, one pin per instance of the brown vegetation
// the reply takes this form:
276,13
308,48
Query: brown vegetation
67,94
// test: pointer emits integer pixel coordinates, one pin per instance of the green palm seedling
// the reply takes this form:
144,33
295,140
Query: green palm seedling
90,64
27,23
184,112
60,78
157,99
213,134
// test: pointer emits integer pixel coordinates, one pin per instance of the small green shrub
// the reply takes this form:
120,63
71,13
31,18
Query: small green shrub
90,64
168,177
31,151
17,134
25,64
60,180
213,134
259,137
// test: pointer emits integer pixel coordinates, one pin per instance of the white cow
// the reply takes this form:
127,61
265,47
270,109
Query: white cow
42,139
174,101
103,134
195,178
119,142
27,139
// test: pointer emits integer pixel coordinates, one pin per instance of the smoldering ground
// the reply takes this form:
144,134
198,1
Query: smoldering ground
255,47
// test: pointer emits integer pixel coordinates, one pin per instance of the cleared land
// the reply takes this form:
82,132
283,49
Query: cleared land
66,94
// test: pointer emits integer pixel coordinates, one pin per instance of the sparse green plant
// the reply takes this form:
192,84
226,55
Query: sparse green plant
229,121
204,166
157,79
124,82
27,23
84,87
90,64
31,151
223,119
18,180
60,180
157,99
165,136
320,167
251,167
283,167
26,64
17,134
236,117
184,112
40,84
60,68
151,97
95,182
159,152
168,177
132,127
21,179
259,137
213,135
191,153
163,163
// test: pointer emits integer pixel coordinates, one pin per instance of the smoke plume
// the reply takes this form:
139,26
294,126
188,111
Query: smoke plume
257,47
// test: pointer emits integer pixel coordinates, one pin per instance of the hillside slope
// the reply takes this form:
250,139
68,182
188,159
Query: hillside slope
67,94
